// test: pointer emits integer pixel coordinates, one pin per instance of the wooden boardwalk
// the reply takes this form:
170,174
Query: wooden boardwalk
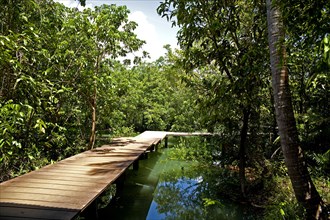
64,189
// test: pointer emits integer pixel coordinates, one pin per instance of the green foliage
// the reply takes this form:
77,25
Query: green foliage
106,197
148,96
326,45
307,33
224,45
281,203
210,202
50,57
320,164
15,133
192,149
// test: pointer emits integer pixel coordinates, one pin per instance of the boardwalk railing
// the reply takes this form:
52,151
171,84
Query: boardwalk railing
64,189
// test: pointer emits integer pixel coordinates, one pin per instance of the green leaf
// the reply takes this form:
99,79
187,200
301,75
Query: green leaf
210,202
41,125
2,142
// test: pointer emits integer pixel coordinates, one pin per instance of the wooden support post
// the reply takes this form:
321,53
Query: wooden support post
155,146
120,185
91,211
166,142
145,155
136,165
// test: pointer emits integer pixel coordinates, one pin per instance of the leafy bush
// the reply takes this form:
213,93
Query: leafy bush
192,149
281,202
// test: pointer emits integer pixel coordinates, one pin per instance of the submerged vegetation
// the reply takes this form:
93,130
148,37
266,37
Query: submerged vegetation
65,82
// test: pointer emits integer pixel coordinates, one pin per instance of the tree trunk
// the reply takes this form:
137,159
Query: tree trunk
242,150
93,130
302,184
93,104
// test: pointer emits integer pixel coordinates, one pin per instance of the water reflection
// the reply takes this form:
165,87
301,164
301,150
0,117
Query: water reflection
178,199
187,190
164,188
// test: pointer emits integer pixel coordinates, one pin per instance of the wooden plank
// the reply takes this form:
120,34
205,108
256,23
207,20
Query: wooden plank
76,172
66,200
48,204
59,182
70,193
77,189
75,169
63,200
55,176
35,212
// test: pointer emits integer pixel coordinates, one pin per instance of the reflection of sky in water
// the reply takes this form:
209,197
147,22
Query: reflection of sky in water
153,214
187,189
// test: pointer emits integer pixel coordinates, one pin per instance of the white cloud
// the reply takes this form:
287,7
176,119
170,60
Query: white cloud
147,31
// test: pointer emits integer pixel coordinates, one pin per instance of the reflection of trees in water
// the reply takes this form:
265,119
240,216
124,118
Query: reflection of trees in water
183,195
180,199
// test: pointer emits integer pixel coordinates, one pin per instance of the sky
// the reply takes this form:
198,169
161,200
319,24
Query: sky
152,28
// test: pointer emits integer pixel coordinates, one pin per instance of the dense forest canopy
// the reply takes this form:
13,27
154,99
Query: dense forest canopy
65,82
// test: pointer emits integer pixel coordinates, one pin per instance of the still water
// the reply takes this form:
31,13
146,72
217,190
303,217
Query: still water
165,188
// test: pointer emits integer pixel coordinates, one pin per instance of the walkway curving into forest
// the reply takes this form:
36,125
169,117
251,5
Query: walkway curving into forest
64,189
